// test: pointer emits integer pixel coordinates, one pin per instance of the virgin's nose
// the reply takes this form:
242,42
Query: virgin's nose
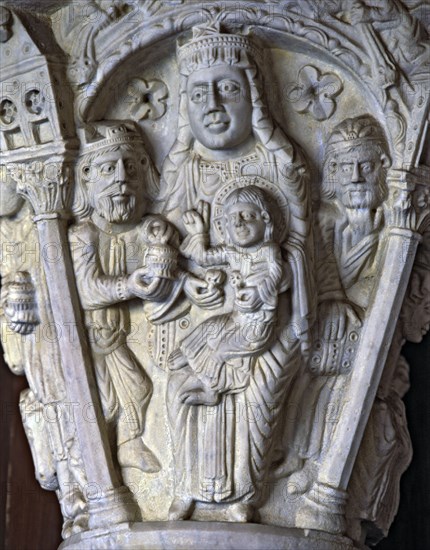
356,173
212,100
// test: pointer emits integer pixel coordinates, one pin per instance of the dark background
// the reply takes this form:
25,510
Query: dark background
30,517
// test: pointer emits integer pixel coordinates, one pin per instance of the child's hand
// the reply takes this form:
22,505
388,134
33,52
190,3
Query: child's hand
248,299
197,221
201,294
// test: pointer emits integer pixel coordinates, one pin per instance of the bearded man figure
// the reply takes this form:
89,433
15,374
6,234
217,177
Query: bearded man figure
109,246
351,218
350,223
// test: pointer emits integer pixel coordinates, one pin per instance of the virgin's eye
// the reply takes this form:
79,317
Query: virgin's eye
247,216
198,95
228,87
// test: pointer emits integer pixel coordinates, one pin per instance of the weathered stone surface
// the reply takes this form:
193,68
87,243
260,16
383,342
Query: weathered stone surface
228,536
215,223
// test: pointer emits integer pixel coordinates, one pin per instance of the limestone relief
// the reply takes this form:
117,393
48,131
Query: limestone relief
215,241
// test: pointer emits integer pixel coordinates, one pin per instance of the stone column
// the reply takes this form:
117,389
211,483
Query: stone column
46,185
324,505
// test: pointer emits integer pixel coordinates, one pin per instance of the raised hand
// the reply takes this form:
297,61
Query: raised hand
197,221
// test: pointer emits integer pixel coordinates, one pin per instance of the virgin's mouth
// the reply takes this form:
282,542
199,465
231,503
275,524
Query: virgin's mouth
216,122
217,127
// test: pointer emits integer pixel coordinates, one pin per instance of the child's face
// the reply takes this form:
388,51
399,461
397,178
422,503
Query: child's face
246,224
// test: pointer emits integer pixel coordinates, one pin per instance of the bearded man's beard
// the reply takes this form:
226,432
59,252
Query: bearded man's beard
355,199
117,210
364,195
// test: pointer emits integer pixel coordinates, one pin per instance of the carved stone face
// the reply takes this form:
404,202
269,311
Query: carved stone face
219,106
359,177
113,186
246,224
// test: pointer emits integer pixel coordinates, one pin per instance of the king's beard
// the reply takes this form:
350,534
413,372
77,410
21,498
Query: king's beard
363,196
355,200
116,209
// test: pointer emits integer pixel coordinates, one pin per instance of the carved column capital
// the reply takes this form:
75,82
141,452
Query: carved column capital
408,204
45,183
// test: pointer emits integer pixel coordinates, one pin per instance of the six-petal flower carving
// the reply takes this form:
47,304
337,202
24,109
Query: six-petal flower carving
315,92
147,98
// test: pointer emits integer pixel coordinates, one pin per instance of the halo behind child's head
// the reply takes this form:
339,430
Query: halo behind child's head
255,190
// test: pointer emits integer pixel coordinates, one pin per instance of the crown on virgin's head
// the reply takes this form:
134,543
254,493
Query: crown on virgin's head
209,46
98,135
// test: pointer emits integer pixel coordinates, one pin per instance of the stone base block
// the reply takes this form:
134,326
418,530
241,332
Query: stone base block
188,535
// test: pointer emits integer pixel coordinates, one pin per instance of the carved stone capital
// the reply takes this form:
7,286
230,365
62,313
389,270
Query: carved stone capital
45,183
245,186
409,198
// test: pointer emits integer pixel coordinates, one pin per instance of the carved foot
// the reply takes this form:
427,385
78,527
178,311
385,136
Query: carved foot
66,531
323,510
239,512
135,454
181,508
300,482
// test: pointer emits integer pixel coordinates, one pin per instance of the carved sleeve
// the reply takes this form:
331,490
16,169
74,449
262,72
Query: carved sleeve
269,286
96,289
197,248
327,272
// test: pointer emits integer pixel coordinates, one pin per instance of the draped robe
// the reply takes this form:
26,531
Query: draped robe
232,464
103,255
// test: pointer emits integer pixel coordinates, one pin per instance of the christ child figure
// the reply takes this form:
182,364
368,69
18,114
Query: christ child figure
219,352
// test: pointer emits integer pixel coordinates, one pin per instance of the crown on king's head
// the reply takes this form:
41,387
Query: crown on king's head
210,46
356,131
98,135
